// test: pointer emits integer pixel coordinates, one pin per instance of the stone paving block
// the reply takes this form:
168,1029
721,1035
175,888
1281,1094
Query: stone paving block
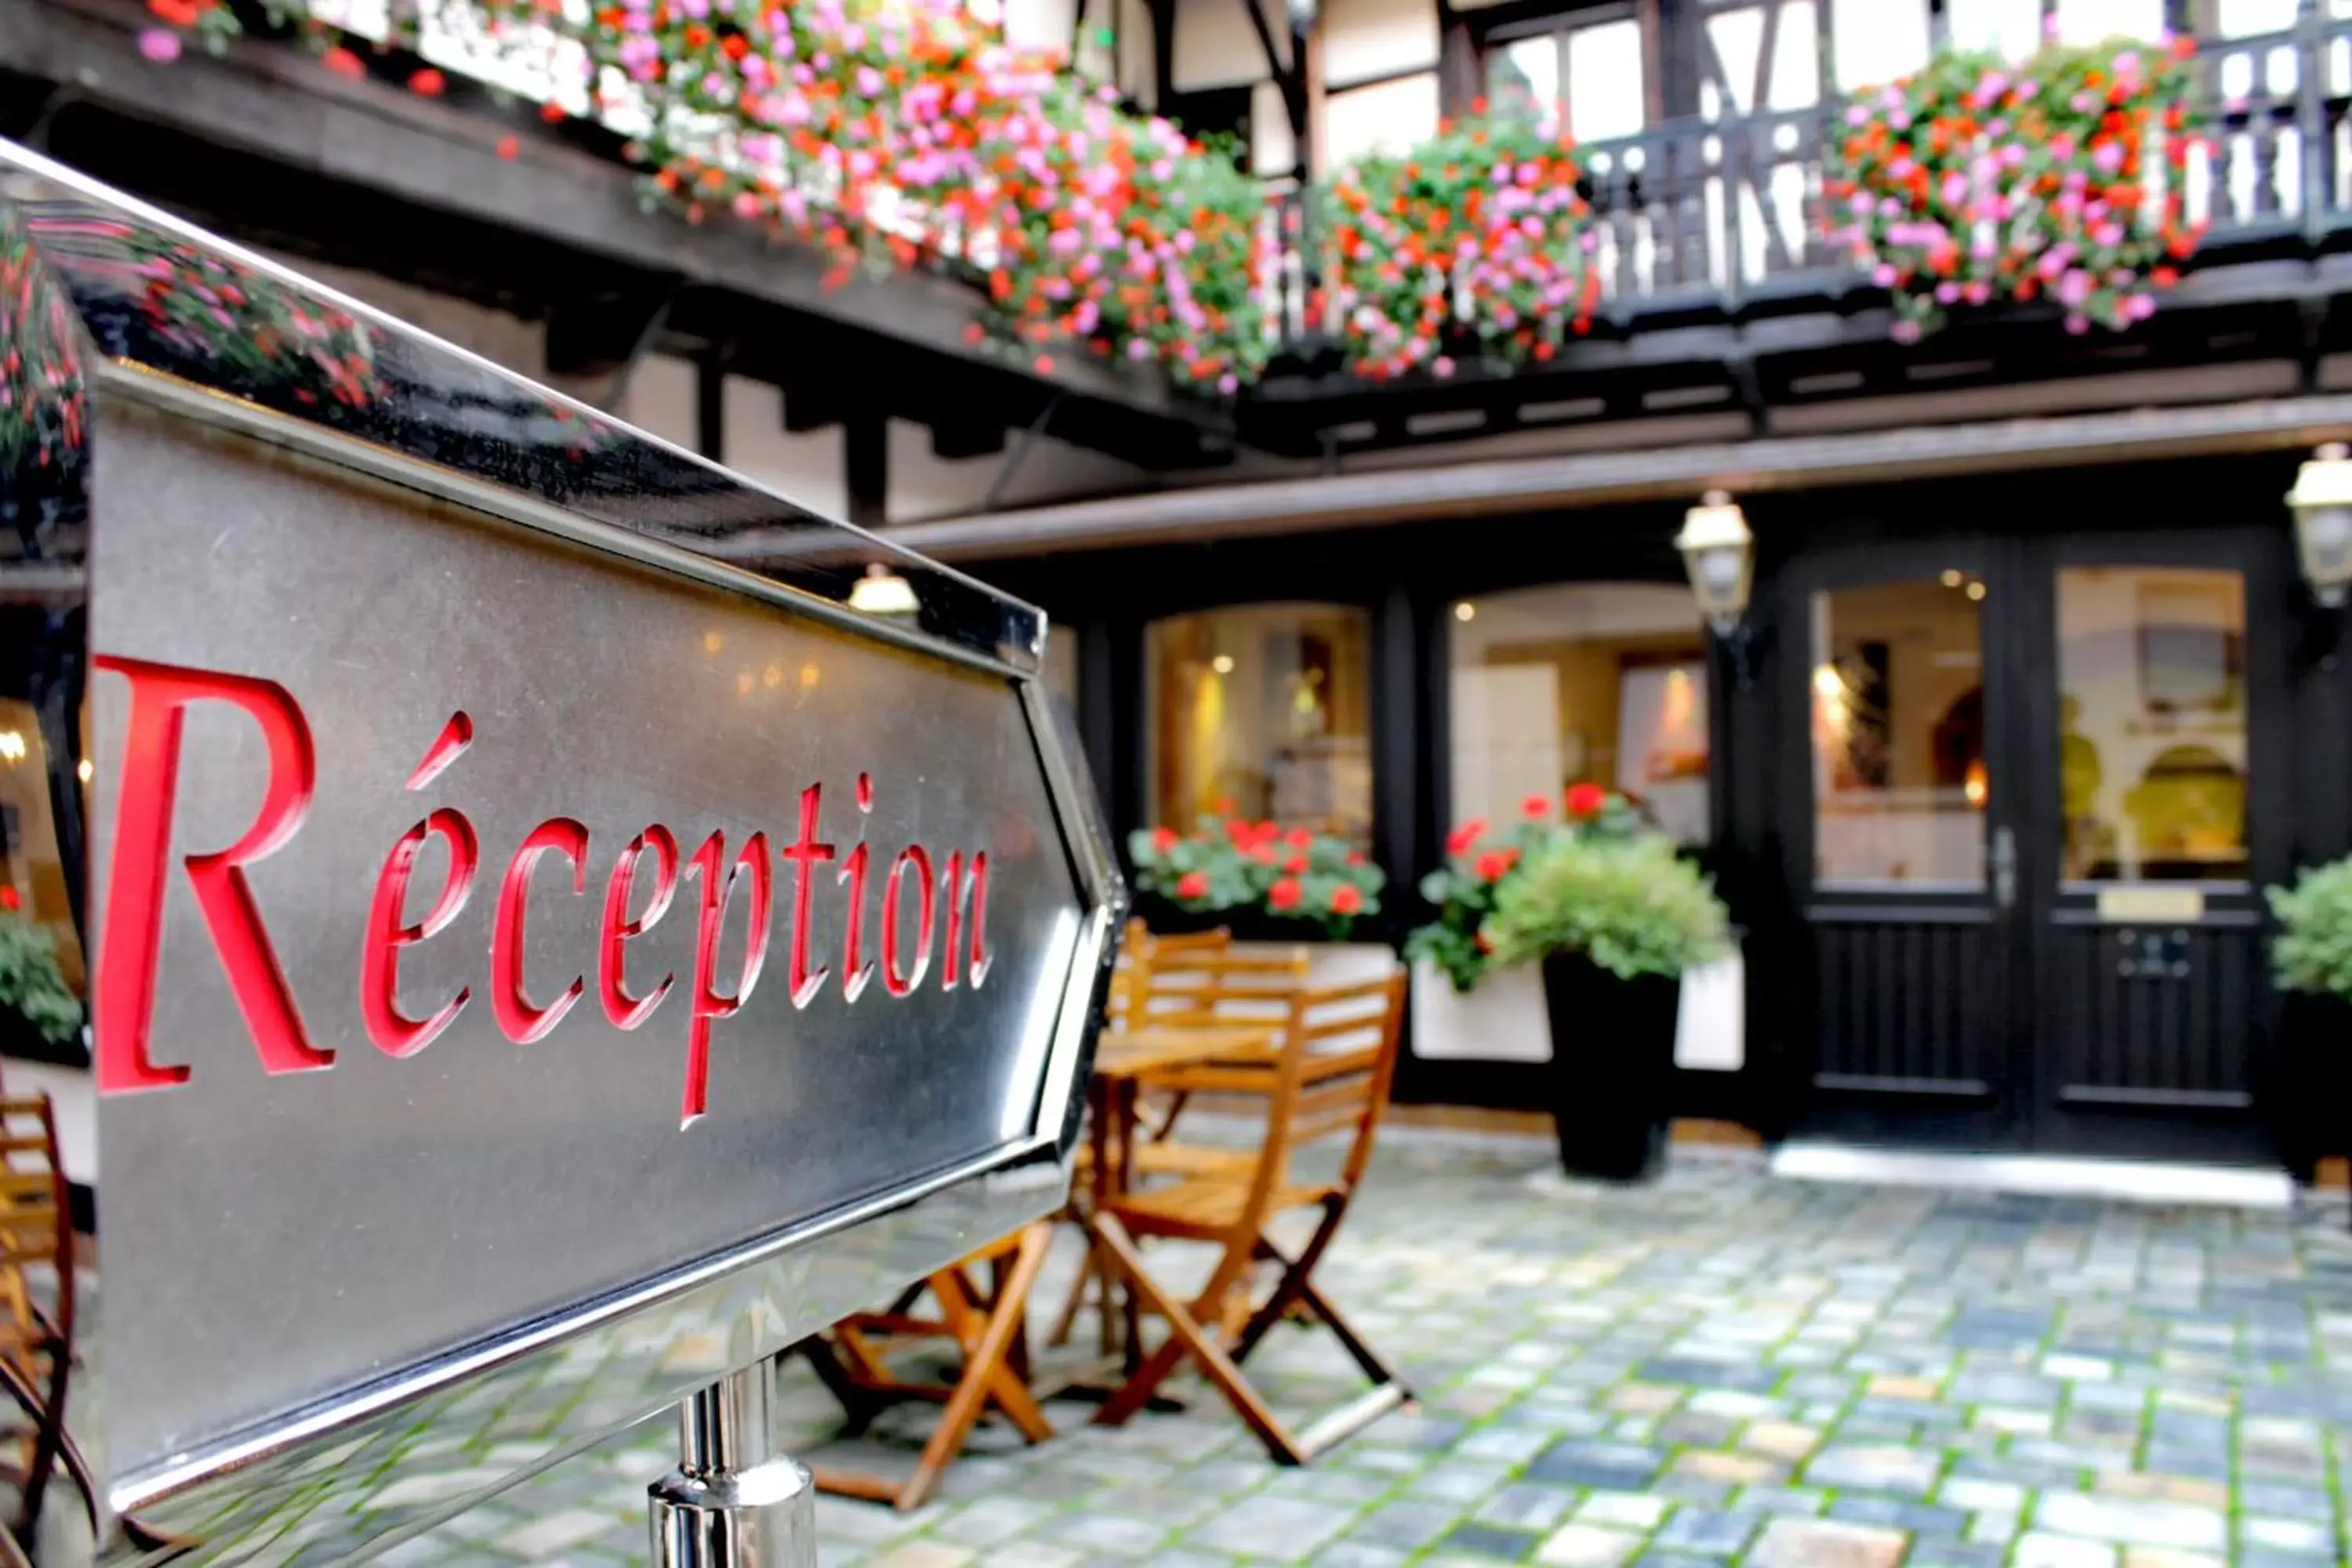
1878,1468
1485,1540
1632,1511
1280,1527
1583,1462
2139,1522
2040,1549
923,1554
1820,1543
1588,1546
1706,1530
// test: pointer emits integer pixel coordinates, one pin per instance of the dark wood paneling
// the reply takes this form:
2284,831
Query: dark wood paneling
2127,1036
1902,1008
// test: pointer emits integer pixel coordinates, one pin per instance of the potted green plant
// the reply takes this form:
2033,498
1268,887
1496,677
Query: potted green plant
1259,876
1614,919
2313,949
2311,958
38,1010
1465,1006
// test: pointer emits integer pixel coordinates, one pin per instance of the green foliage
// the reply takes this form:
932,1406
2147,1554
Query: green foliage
1478,865
1230,863
2313,949
31,985
1629,904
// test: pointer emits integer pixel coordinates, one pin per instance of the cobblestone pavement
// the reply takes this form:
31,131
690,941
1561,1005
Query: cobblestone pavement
1722,1369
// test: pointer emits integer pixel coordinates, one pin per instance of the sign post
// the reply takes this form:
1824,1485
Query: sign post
537,971
732,1503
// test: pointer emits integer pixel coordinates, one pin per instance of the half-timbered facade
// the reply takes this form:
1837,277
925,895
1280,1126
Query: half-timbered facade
2030,701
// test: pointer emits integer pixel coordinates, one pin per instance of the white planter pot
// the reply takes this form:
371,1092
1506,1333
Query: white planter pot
1501,1021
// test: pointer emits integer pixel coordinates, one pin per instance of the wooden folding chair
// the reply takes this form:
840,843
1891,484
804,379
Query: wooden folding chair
1188,982
989,1327
1330,1081
36,1340
1141,948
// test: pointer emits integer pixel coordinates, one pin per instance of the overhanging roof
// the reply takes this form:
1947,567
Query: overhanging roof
1777,463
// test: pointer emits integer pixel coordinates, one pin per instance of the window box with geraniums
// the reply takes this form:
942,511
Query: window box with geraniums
1611,916
1979,182
1260,879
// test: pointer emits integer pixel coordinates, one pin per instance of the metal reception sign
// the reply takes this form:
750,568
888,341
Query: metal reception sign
536,969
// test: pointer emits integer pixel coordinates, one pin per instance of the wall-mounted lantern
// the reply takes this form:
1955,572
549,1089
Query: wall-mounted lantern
1719,554
2322,500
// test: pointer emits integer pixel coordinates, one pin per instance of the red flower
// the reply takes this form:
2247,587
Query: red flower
1163,839
1300,837
10,899
1238,833
1268,833
428,83
1462,839
1536,806
179,13
1192,885
1224,807
1284,894
1295,865
1586,800
342,62
1264,855
1345,898
1491,865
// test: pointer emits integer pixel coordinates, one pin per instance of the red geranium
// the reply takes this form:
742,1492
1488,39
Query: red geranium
1192,885
1299,838
1536,805
1586,800
1163,839
1464,839
1284,895
1345,898
1495,862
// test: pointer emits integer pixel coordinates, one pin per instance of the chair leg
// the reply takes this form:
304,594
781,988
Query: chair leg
1186,1338
856,1403
985,1378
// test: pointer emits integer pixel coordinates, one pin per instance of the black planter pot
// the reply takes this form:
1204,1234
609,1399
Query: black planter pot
1612,1051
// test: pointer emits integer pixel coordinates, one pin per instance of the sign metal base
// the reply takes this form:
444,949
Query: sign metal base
733,1501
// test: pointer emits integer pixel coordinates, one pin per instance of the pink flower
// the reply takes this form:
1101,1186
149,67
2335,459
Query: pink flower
159,45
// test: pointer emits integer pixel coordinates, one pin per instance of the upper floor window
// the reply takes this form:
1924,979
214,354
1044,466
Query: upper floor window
1587,69
1266,706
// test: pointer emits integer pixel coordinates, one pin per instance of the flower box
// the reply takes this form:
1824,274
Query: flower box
1503,1020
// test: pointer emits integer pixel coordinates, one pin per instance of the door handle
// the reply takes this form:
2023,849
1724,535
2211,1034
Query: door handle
2003,860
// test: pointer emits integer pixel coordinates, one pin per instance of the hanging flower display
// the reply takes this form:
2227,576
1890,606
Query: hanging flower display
910,135
1228,862
1475,242
1980,181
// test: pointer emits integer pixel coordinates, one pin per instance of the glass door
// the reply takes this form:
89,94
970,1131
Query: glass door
2153,830
1906,849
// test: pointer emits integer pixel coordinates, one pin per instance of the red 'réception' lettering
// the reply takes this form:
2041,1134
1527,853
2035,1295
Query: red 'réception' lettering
124,996
752,860
522,1022
625,1011
395,1033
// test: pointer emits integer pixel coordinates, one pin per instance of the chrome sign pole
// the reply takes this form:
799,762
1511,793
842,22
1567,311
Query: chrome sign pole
733,1501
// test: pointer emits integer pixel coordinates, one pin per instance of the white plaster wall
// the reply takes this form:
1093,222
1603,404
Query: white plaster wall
1365,38
1217,47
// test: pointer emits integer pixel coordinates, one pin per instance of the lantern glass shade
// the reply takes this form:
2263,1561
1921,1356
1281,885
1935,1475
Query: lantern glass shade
2323,540
2322,503
1718,553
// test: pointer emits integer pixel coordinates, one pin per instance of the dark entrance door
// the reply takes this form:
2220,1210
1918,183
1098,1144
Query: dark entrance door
2031,787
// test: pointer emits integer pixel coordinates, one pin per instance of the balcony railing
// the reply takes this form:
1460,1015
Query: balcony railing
1723,216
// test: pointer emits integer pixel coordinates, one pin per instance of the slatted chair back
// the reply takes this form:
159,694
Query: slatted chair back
1144,950
1218,988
